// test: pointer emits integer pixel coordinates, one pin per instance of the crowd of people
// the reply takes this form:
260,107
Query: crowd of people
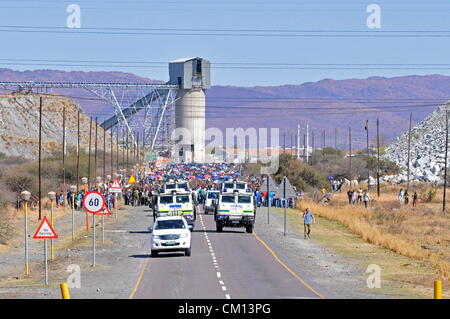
358,196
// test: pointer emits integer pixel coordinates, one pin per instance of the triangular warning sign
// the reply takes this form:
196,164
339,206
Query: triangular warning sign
131,180
116,184
45,230
104,211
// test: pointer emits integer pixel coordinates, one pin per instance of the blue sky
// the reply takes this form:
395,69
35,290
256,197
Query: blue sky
232,14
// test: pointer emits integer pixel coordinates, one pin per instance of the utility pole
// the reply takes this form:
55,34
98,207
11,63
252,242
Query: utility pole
95,149
323,145
284,143
298,142
409,149
89,154
117,149
123,148
143,147
307,143
112,153
378,157
40,157
312,146
104,155
304,148
128,154
350,154
292,144
445,161
64,155
78,151
335,149
368,157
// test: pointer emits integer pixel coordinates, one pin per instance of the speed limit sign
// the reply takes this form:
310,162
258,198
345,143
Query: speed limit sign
94,202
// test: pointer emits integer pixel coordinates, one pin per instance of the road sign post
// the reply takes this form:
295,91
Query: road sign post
94,203
45,231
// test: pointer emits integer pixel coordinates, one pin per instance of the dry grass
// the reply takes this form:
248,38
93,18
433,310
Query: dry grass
422,233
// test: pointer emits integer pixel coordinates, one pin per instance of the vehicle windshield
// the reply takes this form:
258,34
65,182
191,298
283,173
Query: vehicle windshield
240,186
170,186
228,185
166,200
182,199
213,195
169,224
183,185
244,199
227,199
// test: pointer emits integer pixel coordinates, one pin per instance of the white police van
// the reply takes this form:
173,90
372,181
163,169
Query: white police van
235,209
212,197
175,204
231,186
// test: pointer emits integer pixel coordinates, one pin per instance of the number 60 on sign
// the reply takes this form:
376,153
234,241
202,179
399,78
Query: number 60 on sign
94,202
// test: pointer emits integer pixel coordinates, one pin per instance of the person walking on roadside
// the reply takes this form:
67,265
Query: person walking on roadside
350,195
354,197
366,199
308,219
415,198
400,195
360,195
406,197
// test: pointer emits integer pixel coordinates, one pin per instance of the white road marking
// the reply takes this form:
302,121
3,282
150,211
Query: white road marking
216,265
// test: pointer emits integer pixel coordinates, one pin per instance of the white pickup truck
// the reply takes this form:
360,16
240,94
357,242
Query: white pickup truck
175,204
170,234
236,209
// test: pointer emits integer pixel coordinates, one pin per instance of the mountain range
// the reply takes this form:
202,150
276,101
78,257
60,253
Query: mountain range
324,105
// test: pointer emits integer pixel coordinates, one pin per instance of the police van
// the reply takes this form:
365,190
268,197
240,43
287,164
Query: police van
176,203
169,187
211,198
231,186
235,209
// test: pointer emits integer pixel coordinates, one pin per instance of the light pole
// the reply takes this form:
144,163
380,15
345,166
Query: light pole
98,179
85,180
73,191
26,197
52,196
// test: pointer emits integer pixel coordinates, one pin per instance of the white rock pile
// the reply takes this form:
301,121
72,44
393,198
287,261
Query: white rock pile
427,150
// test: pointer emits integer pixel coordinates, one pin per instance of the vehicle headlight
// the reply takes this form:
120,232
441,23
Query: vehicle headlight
156,237
184,235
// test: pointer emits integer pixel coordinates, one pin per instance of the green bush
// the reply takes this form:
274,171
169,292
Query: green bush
300,175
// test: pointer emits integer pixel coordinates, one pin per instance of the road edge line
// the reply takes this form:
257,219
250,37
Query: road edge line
139,280
287,268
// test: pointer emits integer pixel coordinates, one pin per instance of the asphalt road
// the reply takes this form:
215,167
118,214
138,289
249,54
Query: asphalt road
227,265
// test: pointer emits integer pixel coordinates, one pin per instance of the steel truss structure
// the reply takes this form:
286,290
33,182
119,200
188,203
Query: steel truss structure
151,115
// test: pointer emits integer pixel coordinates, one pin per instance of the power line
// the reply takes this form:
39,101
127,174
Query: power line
231,32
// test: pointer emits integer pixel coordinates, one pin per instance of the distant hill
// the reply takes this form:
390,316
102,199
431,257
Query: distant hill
321,104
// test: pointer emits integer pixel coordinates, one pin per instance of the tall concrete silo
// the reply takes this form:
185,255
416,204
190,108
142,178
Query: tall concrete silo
192,75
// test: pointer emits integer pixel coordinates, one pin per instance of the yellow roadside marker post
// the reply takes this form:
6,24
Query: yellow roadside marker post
26,197
437,289
65,293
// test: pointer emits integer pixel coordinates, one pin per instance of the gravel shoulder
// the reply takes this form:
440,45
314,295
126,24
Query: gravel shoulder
118,262
336,260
